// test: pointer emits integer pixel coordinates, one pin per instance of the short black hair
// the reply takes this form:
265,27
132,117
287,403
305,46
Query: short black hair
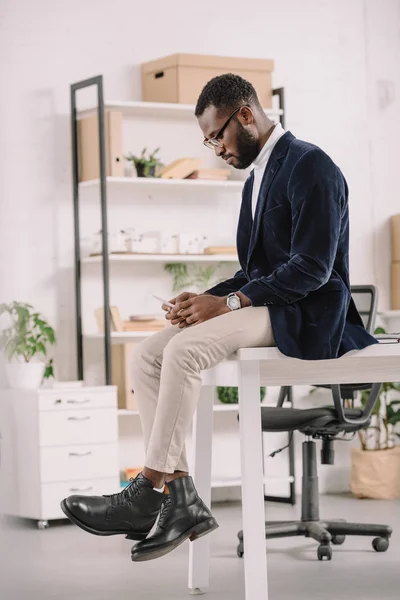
226,92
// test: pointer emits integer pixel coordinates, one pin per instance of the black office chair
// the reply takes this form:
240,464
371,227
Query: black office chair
326,424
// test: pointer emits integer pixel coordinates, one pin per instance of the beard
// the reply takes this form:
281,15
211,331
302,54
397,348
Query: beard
247,148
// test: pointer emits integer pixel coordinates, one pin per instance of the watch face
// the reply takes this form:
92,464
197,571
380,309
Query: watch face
233,302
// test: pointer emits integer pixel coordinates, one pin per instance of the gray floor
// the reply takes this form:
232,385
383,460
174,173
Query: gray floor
64,563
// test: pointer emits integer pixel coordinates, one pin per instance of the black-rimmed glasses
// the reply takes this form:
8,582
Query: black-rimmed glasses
215,142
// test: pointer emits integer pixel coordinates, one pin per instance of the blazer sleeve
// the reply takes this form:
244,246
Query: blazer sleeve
316,191
230,285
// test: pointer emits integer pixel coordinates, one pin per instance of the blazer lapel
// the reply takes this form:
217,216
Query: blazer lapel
245,222
273,166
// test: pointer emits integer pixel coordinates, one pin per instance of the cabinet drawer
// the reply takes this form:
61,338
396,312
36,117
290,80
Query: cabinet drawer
67,463
78,427
53,493
77,399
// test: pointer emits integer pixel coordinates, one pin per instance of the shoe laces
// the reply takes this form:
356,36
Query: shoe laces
127,495
164,510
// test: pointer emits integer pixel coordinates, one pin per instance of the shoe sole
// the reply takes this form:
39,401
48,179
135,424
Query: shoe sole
76,521
194,533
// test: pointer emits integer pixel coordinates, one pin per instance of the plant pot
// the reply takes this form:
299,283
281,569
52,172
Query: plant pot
25,376
375,473
145,171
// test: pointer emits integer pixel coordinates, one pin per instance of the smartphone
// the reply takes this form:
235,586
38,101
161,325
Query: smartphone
164,301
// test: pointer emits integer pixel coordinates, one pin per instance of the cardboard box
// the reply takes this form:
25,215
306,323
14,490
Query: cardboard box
120,374
395,236
181,77
395,286
88,146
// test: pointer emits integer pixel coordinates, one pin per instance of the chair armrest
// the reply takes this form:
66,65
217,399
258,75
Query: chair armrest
366,413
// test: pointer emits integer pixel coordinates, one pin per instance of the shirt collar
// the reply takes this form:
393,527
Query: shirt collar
264,153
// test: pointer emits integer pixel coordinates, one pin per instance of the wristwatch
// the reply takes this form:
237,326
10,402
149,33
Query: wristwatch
233,301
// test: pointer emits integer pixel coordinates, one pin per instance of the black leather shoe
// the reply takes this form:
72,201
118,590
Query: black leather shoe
183,515
132,512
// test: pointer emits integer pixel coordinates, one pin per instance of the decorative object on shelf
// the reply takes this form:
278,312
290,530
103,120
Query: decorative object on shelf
115,319
375,470
395,267
191,243
129,473
187,276
88,143
144,323
220,250
181,77
118,243
26,337
146,166
210,174
180,168
230,395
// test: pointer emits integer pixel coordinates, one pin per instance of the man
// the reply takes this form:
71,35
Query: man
292,291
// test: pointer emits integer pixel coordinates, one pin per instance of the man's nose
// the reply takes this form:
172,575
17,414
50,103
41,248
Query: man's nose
219,150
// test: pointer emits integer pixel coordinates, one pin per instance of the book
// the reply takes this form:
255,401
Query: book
181,168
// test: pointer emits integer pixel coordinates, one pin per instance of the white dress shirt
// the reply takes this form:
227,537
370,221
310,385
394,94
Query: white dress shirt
261,162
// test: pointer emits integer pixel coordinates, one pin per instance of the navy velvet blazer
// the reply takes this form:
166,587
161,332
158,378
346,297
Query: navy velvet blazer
294,258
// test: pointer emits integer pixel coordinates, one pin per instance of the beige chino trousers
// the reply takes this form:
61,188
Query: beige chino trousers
166,377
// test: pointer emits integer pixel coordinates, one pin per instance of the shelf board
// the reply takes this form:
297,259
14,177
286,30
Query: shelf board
390,313
155,183
157,109
217,408
120,337
162,258
237,482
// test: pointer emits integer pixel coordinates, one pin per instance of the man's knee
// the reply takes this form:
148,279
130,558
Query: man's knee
142,357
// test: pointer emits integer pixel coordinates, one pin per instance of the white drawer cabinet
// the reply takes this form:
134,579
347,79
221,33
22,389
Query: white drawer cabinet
55,443
65,463
87,426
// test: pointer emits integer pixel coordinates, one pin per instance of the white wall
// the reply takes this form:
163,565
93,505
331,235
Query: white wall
338,60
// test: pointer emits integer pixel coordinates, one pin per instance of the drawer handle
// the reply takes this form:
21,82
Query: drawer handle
79,453
78,418
86,489
85,401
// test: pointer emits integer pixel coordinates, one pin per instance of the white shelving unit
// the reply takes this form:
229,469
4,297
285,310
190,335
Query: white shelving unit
156,184
187,191
158,109
168,258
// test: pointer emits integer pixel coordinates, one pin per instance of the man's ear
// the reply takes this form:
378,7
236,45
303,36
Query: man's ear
245,116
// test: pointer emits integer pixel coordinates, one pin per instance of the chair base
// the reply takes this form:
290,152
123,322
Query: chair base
325,532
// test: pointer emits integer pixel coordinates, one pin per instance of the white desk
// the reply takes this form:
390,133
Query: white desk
249,369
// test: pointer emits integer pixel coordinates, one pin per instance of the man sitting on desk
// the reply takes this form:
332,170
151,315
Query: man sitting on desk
292,291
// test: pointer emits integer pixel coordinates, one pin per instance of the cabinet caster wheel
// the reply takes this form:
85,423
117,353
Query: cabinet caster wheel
338,540
240,551
324,552
43,525
380,544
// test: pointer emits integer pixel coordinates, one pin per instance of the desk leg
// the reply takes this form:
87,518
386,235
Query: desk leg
255,555
199,551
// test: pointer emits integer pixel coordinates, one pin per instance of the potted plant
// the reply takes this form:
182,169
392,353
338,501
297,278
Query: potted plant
25,339
230,395
145,165
375,470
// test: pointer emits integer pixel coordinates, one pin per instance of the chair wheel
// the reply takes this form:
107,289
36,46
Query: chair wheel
380,544
324,551
240,551
338,540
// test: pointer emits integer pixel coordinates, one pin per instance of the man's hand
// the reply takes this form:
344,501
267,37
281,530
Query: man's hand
181,298
197,309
